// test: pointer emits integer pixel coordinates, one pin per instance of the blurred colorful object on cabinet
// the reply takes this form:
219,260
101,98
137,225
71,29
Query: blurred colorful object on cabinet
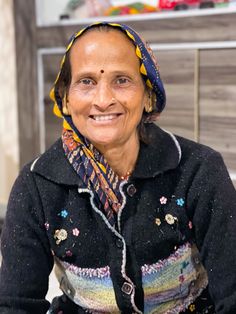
86,8
190,4
91,8
133,8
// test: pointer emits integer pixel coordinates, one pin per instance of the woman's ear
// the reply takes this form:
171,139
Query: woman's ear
148,106
65,108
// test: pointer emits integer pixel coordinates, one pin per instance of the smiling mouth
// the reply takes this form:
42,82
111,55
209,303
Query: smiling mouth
105,117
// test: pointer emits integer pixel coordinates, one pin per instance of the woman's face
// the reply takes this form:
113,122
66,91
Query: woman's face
107,95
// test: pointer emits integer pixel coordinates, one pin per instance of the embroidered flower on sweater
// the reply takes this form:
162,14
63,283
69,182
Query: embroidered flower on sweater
63,213
163,200
68,253
192,307
181,278
180,201
158,221
60,235
46,225
190,225
170,219
75,232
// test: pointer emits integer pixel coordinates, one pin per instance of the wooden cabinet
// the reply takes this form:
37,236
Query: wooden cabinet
177,73
217,102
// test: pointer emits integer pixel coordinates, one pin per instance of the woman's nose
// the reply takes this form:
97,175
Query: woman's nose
103,97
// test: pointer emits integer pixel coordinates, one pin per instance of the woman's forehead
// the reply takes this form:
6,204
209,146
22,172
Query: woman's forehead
108,36
98,47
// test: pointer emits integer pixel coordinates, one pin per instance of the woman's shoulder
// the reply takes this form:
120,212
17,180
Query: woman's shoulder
187,148
51,155
52,165
202,159
192,148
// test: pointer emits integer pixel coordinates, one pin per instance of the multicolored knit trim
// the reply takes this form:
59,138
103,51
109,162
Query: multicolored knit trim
170,285
101,272
92,293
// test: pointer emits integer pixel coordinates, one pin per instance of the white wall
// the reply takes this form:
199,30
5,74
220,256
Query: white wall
9,149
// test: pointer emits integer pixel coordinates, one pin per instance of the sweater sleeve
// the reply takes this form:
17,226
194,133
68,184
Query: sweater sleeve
26,257
212,199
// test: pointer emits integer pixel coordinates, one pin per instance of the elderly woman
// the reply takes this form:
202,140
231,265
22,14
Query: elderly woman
135,219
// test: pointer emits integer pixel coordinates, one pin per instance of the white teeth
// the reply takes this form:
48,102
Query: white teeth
104,118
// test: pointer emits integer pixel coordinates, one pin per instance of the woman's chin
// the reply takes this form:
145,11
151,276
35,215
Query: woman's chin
105,140
104,143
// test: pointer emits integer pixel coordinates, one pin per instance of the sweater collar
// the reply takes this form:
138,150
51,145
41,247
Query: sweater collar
54,166
162,153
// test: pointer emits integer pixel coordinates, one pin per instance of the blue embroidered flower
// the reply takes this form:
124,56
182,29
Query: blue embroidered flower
180,201
63,213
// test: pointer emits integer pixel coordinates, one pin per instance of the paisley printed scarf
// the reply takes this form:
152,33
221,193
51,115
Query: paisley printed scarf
95,172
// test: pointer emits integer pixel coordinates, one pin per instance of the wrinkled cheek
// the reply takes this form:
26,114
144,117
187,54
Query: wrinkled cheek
77,119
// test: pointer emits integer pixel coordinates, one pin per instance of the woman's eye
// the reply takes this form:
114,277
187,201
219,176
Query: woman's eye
86,82
122,80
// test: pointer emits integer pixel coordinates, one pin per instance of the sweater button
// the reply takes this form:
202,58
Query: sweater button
131,190
119,243
127,288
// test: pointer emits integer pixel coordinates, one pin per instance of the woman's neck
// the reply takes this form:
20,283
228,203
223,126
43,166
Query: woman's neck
122,158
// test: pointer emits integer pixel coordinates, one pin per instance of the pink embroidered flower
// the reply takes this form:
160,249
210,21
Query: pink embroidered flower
181,278
163,200
75,232
68,253
46,225
190,225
